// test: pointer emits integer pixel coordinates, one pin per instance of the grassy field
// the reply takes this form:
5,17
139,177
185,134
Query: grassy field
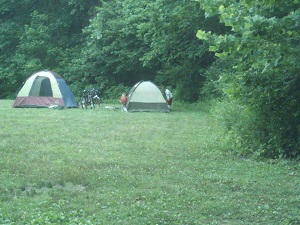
106,167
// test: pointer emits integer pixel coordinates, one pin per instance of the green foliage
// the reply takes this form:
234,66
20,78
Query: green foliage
115,92
170,31
241,128
149,41
35,50
112,44
10,31
216,83
263,50
187,87
105,44
38,35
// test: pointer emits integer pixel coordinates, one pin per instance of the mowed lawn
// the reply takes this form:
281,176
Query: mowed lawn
99,166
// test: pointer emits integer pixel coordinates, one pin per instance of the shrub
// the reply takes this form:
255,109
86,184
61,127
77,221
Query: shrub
114,92
241,127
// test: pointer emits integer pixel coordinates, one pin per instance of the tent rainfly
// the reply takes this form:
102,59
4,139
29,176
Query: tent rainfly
44,89
145,96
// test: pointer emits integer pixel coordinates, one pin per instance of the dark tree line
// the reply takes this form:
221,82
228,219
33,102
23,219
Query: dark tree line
107,44
39,35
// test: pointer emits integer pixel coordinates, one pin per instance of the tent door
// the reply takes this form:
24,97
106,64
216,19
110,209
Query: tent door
41,87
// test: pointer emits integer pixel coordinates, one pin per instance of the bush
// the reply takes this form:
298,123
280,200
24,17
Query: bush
241,127
114,92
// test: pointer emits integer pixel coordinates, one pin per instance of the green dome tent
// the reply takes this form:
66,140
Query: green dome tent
145,96
44,89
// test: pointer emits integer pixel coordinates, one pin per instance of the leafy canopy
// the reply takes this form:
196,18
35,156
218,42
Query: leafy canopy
263,48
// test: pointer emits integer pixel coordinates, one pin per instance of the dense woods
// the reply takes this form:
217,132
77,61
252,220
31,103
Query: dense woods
110,45
244,53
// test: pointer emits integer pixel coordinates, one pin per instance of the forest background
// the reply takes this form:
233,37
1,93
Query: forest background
242,54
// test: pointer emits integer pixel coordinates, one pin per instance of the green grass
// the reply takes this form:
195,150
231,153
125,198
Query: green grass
106,167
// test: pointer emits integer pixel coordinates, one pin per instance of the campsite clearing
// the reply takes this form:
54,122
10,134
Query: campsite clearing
78,166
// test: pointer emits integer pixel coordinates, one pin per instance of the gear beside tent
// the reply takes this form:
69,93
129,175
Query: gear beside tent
145,96
45,89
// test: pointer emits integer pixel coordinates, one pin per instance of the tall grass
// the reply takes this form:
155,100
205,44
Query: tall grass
106,167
